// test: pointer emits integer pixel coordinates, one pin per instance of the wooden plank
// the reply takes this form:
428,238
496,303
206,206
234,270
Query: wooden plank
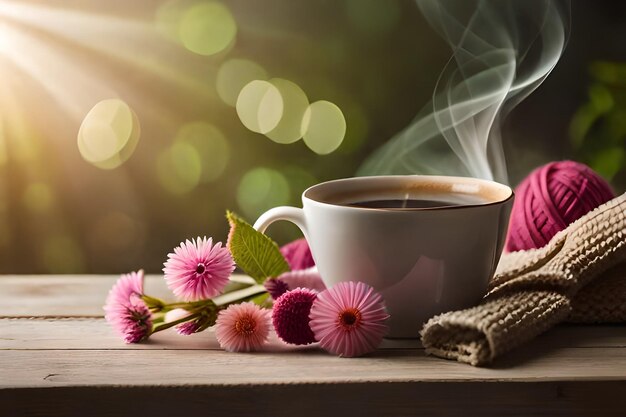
66,295
83,353
571,399
94,333
128,367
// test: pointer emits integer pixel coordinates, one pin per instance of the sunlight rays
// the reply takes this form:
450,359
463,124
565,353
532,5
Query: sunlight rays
135,43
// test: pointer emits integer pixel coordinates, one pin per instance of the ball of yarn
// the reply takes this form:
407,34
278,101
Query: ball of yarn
549,199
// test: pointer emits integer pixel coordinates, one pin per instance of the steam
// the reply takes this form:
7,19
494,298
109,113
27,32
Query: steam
502,51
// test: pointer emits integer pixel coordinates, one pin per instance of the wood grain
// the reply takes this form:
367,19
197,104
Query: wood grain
67,295
94,333
59,357
45,368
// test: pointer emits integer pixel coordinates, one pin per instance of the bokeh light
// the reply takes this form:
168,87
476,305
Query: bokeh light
179,168
108,134
299,180
168,15
25,151
211,146
207,28
38,197
233,75
261,189
58,60
199,154
260,106
295,103
323,127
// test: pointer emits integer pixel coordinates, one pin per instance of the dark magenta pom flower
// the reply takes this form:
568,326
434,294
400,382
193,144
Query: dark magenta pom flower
302,278
276,287
290,316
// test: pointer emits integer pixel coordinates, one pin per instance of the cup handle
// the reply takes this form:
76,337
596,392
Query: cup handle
292,214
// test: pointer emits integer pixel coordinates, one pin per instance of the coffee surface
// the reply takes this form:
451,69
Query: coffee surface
401,204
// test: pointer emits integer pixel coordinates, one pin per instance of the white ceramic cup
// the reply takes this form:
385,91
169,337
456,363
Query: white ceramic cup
423,261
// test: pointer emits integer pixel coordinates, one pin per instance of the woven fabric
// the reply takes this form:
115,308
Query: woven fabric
602,300
579,276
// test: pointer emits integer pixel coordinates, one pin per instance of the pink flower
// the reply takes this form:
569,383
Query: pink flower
188,327
185,328
298,255
242,327
276,287
304,278
125,311
349,319
198,269
290,316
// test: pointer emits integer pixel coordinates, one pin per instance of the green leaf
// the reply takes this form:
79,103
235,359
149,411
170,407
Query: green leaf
254,252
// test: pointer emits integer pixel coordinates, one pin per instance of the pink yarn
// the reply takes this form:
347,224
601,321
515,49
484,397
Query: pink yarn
549,199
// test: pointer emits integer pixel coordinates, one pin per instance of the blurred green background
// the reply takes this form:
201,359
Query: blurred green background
192,158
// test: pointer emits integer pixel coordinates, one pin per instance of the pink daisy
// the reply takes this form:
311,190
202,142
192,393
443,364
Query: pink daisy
242,327
185,328
349,319
290,316
198,269
304,278
125,311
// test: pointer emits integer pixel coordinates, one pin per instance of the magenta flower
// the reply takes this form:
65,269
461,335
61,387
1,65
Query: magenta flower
304,278
186,328
290,316
242,327
297,254
125,311
349,319
198,269
276,287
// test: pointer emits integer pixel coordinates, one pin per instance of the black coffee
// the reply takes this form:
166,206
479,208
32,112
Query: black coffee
401,204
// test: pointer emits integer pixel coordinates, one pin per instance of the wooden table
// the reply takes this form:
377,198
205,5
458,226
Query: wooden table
59,357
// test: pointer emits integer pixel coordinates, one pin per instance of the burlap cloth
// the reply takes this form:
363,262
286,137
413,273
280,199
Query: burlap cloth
579,276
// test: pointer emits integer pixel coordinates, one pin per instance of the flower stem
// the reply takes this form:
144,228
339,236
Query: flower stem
167,325
153,302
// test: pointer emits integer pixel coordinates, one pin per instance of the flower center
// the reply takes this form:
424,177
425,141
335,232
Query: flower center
245,325
200,269
140,315
349,318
